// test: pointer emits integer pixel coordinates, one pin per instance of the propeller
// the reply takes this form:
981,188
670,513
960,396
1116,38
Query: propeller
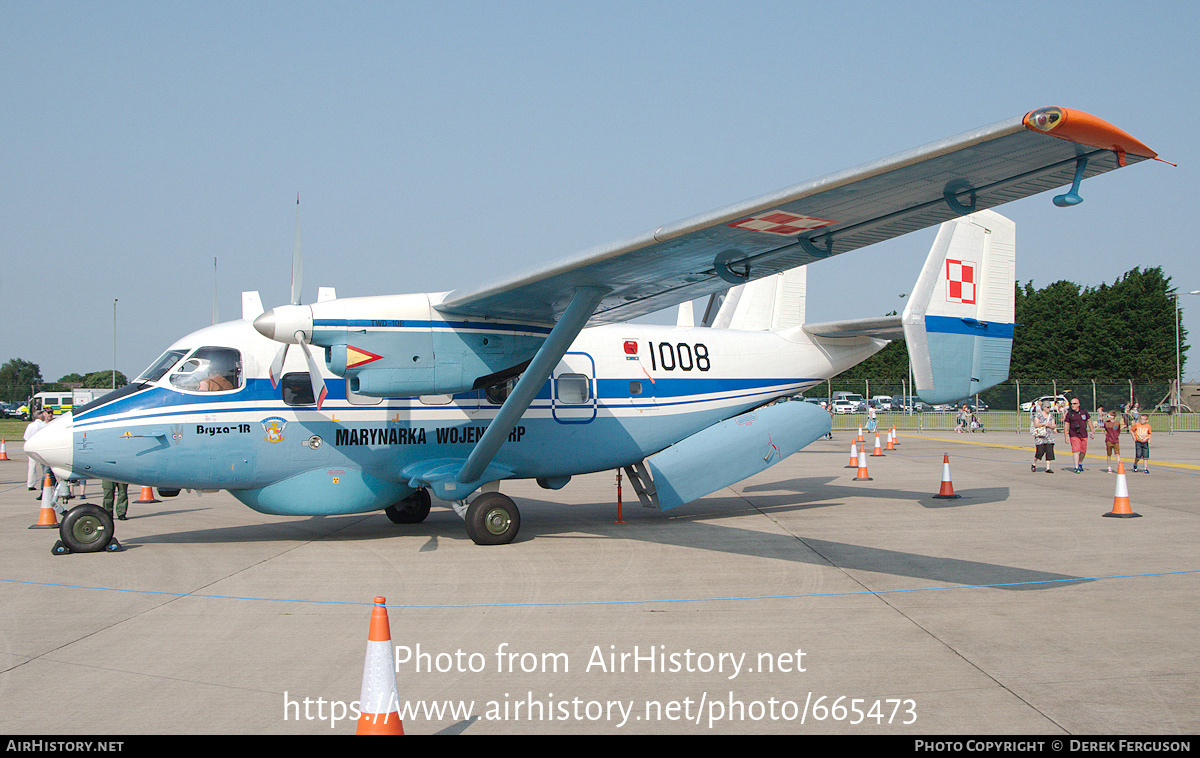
292,325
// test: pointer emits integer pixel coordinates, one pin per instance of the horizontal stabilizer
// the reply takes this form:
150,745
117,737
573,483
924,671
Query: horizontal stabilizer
728,452
881,327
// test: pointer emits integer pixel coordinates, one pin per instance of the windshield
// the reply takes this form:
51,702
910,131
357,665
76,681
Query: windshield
160,366
209,369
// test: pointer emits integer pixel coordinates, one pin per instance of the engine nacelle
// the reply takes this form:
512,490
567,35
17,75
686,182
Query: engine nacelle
414,350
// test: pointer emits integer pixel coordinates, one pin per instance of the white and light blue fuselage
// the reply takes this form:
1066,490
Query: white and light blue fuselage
619,395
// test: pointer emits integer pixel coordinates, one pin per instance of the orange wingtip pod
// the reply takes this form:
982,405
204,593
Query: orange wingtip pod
1086,129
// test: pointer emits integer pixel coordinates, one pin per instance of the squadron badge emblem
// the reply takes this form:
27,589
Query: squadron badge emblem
273,426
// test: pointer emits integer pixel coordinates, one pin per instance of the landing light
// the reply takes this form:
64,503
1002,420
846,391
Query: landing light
1045,119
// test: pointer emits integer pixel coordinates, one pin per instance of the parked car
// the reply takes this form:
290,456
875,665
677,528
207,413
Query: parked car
844,406
1028,407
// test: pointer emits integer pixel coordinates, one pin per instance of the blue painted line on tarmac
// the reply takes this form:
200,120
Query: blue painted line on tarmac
575,603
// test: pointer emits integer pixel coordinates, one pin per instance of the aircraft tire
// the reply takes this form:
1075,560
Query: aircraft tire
411,510
492,519
86,529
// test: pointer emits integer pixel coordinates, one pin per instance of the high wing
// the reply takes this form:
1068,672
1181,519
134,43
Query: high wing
837,213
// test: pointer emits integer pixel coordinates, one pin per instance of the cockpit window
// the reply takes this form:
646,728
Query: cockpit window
160,366
210,369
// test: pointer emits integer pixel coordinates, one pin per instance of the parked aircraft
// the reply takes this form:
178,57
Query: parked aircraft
541,376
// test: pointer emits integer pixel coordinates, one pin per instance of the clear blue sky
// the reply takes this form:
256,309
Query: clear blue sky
440,144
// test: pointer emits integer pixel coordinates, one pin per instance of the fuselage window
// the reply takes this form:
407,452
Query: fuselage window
498,393
297,389
209,369
573,389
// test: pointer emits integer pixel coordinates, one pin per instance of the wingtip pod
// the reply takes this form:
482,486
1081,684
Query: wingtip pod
1084,128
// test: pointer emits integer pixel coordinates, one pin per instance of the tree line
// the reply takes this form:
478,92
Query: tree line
19,378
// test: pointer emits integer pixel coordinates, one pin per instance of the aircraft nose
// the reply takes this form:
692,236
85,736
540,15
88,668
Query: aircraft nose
52,445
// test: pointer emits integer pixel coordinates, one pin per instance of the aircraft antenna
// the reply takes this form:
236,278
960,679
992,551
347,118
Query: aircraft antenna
297,273
214,290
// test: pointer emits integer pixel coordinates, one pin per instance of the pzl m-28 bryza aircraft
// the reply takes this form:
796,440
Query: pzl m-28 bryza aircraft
541,377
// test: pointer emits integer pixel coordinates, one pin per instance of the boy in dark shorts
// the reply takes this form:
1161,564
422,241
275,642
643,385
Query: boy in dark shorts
1112,438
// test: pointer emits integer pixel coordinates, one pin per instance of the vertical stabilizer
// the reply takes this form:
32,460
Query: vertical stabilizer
773,302
959,321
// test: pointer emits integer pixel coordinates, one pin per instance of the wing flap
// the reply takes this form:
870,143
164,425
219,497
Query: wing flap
811,221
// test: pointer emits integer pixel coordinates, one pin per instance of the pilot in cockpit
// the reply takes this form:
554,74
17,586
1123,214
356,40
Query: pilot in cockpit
209,370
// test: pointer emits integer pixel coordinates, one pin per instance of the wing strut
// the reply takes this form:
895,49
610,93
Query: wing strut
576,316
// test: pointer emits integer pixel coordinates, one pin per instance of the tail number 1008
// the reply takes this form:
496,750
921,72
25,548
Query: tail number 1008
682,356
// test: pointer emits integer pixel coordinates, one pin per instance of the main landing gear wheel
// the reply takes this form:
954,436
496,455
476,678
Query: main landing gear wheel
86,529
411,510
492,519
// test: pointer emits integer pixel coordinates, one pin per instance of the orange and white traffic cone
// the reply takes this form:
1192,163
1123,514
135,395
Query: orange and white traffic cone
379,703
878,452
853,456
895,437
1121,507
860,439
947,490
147,496
863,476
3,452
46,516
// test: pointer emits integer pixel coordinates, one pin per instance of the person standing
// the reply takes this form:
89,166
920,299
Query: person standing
1112,438
32,479
1043,435
1080,428
118,491
1141,441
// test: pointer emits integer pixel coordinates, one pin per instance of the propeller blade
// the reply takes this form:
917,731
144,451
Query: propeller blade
314,373
277,365
297,264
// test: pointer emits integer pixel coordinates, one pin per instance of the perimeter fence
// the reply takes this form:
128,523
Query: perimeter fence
1006,407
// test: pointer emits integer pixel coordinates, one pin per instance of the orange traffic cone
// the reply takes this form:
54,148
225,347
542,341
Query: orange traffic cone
147,496
891,440
878,452
947,490
860,439
853,455
3,452
46,517
895,437
1121,507
379,703
863,476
